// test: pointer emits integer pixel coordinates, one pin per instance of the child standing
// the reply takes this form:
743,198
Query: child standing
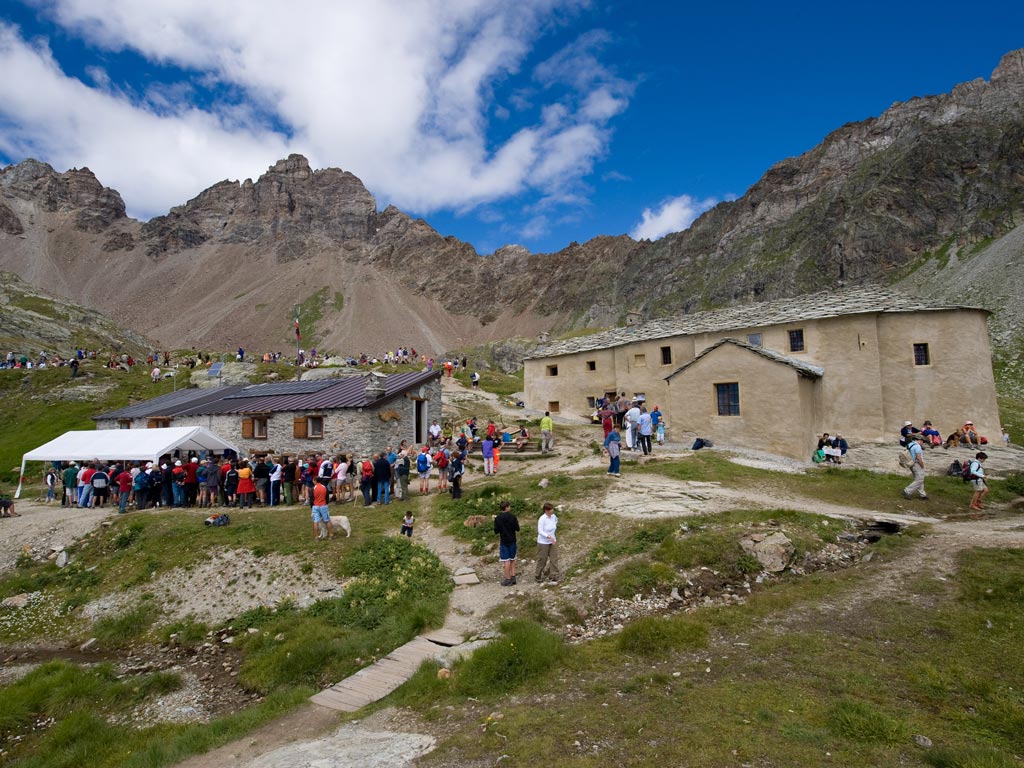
978,480
407,523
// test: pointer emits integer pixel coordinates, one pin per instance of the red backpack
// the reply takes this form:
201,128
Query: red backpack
367,470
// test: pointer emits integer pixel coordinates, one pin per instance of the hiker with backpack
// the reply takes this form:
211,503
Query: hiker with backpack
423,464
916,467
976,475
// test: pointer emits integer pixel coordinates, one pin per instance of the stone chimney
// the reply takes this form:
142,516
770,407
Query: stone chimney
633,318
374,386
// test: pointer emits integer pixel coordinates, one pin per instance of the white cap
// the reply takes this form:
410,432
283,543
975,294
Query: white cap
163,466
177,463
195,460
907,423
149,465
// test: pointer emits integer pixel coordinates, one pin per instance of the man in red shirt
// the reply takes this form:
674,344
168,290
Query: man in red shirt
124,487
191,482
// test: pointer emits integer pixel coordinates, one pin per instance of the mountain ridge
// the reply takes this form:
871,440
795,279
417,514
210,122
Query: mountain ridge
873,199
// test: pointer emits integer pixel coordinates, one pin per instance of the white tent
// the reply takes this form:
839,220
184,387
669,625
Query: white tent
131,444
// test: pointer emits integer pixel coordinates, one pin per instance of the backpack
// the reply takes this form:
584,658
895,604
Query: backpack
231,478
905,460
100,480
956,469
442,460
422,462
142,481
697,444
326,469
367,470
217,520
201,474
967,471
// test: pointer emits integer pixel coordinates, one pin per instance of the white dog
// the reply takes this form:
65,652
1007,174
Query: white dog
342,522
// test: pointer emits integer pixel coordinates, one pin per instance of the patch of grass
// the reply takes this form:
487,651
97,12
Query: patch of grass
185,632
864,723
524,651
125,628
500,383
969,757
657,635
640,578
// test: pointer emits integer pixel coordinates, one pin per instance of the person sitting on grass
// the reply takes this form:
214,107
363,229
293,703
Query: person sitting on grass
931,435
969,436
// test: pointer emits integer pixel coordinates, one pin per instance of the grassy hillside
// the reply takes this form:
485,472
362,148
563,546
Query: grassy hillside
38,405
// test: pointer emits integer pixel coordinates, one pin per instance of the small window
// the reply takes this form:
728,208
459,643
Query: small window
552,370
728,396
639,361
921,356
553,406
259,428
158,423
754,339
666,355
796,340
640,396
315,426
591,365
591,402
124,423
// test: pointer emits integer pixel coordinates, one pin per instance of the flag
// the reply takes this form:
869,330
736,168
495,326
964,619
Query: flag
298,336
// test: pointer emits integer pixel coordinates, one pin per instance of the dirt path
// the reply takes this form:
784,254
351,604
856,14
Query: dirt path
41,527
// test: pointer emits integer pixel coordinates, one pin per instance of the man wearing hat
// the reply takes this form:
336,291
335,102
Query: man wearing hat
970,434
906,432
917,468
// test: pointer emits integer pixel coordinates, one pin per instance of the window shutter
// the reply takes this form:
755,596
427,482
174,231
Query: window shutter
152,424
299,426
247,430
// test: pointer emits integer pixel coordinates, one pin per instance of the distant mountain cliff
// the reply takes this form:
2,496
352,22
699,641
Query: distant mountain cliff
876,201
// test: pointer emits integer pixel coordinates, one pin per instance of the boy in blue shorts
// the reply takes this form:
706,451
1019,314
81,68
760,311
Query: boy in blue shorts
506,525
321,513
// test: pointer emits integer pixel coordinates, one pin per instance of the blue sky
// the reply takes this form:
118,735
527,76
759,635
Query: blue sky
537,122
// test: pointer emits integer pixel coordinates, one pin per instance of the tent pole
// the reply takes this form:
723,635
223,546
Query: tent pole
21,479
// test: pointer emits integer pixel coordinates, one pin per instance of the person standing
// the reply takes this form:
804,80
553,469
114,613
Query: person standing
192,482
402,467
645,427
630,422
487,452
70,479
506,525
288,480
916,467
124,486
407,523
547,545
382,478
977,473
322,528
456,469
547,437
276,472
613,447
246,486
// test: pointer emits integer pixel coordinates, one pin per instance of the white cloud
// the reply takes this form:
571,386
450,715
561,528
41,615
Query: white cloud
398,93
673,215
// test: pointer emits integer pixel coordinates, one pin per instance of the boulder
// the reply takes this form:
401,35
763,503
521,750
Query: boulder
474,521
772,550
18,601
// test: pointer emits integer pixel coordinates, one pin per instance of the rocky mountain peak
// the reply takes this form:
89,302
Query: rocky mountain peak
1010,72
77,192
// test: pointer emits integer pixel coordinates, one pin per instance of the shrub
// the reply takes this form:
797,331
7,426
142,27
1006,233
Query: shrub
523,652
1015,483
863,723
656,635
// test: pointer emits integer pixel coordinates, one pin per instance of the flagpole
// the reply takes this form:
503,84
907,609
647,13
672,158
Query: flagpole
298,339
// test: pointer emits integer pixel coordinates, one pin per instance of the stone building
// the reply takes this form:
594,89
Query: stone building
775,375
356,413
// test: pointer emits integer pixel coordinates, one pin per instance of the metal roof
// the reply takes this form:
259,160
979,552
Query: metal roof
801,367
171,404
815,306
344,392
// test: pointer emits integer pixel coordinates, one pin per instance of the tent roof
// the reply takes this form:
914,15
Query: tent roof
110,444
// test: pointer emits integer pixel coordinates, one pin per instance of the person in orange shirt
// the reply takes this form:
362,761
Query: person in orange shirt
322,528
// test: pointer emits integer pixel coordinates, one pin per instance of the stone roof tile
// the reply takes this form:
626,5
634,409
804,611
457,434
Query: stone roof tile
815,306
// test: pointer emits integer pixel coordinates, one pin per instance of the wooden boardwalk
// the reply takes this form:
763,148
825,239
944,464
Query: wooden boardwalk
378,680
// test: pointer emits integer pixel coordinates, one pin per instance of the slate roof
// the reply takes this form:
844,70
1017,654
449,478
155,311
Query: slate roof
803,368
329,394
815,306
